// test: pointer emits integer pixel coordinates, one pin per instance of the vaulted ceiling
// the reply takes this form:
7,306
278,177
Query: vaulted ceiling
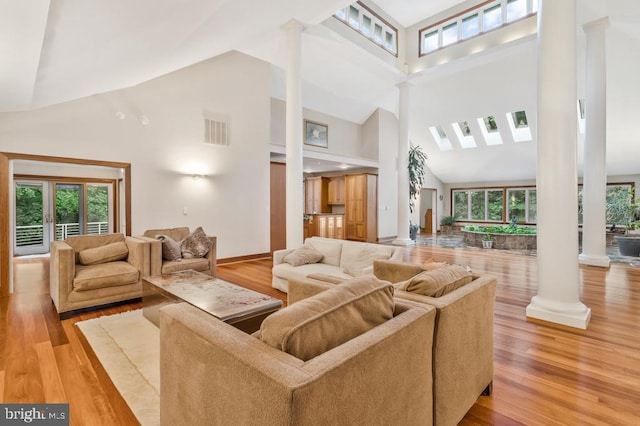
67,49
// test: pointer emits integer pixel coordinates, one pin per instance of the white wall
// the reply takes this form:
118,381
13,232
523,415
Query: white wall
388,174
231,203
344,137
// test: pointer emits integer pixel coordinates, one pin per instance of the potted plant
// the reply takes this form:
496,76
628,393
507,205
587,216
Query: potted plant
447,224
417,158
487,241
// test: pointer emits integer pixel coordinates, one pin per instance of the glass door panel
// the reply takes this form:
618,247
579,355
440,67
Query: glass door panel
32,231
69,202
98,208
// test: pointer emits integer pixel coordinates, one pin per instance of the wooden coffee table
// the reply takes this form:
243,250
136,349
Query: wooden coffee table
243,308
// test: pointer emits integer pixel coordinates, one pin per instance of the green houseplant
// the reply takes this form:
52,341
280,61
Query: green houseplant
417,158
416,166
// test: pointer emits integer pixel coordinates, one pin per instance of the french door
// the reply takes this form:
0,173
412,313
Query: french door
32,217
55,210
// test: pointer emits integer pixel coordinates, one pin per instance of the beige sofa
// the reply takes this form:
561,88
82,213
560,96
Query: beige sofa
93,270
342,259
463,340
159,265
213,373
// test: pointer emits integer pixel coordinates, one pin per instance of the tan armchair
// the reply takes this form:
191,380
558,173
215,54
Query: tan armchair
463,341
159,265
93,270
213,373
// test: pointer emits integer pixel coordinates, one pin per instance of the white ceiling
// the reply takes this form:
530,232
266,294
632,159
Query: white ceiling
62,50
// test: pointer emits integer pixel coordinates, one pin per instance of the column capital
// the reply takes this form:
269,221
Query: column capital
597,24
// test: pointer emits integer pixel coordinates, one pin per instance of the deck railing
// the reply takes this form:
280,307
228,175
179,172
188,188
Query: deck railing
32,235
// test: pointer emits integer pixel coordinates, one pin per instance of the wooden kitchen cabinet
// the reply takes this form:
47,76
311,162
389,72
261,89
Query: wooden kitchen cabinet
361,207
316,192
325,225
336,190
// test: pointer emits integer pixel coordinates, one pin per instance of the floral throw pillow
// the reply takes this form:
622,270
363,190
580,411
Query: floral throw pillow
197,244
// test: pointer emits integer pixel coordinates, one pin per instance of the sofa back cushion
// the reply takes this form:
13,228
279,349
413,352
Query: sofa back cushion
104,254
176,234
438,282
83,242
317,324
331,249
353,252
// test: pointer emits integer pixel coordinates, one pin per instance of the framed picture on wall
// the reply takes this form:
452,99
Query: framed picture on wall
316,134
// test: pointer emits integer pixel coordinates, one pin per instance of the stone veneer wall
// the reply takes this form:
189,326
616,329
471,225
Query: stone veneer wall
502,241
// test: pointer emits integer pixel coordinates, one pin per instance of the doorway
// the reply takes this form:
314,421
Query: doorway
54,210
428,210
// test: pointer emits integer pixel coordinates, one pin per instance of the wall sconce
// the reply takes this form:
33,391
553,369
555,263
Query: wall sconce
196,176
144,120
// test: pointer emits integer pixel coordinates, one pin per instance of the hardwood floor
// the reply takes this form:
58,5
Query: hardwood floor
544,375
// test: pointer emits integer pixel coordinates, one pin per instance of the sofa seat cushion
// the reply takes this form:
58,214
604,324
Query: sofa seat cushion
91,277
438,282
196,263
104,254
315,325
286,271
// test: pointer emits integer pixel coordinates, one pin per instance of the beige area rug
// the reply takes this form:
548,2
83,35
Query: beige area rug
128,347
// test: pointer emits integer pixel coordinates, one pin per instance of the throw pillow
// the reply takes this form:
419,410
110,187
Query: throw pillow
363,263
303,256
103,254
438,282
197,244
170,248
322,322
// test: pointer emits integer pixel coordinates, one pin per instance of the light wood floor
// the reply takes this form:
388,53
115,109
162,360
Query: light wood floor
543,375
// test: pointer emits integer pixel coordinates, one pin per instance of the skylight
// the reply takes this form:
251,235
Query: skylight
463,132
441,138
519,126
489,130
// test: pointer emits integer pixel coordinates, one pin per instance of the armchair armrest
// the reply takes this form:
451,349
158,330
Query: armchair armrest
155,254
278,256
62,270
212,256
139,255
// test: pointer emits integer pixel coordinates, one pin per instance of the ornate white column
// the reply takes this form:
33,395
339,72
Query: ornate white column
403,166
294,184
594,188
558,298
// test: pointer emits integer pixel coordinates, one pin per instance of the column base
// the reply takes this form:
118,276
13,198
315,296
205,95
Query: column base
575,315
602,261
403,242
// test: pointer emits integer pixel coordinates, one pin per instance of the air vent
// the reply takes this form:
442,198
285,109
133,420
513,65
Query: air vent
216,132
